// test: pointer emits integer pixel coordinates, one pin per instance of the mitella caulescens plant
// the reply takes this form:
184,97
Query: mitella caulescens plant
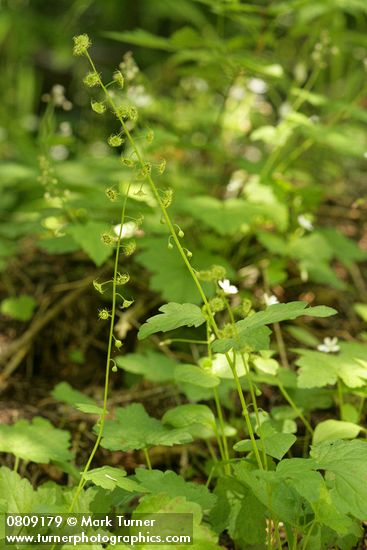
256,491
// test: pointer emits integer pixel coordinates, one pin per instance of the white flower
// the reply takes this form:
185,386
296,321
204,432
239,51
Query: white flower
128,230
330,345
257,86
305,222
270,300
227,288
59,152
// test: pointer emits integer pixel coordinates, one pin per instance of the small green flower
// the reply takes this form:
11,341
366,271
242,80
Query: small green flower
118,344
115,140
122,278
127,303
107,239
98,107
111,194
92,79
129,163
129,248
167,198
103,314
150,136
146,170
132,113
162,167
81,44
119,78
122,112
98,287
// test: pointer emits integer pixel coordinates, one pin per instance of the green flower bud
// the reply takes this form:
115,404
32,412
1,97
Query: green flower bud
118,344
216,304
114,368
127,303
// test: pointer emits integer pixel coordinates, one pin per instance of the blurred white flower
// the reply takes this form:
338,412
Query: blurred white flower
330,345
227,288
128,230
65,128
270,300
305,222
59,152
257,86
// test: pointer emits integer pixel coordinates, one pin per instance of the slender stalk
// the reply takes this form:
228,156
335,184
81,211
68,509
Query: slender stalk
307,537
247,417
108,360
147,458
256,408
281,346
296,409
340,398
185,341
182,253
223,445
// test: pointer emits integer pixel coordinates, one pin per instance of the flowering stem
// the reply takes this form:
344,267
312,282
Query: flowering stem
182,252
108,360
